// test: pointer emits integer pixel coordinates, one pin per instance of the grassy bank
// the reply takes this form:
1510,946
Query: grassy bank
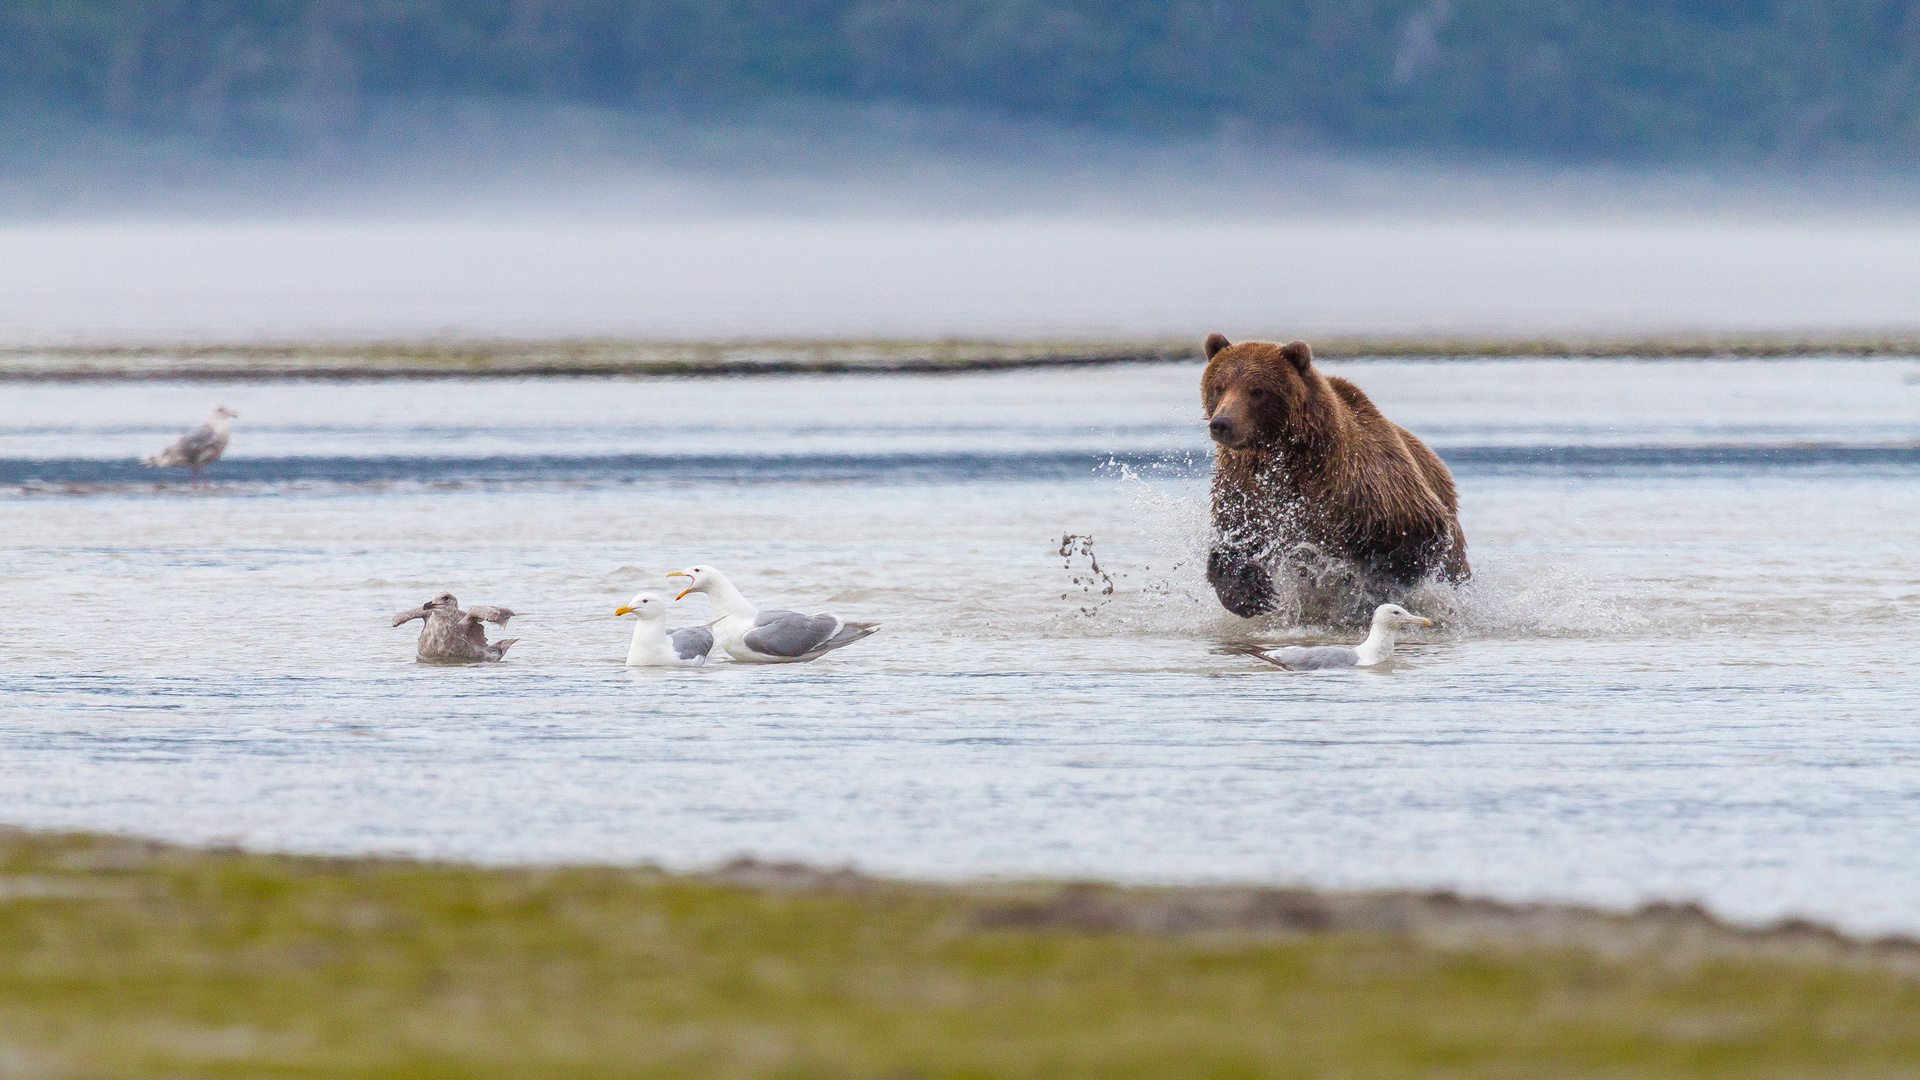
122,958
521,358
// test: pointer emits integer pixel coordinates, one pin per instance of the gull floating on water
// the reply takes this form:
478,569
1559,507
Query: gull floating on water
767,637
1377,649
653,646
453,634
197,448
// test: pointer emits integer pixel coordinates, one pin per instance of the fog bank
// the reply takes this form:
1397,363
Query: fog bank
930,278
881,222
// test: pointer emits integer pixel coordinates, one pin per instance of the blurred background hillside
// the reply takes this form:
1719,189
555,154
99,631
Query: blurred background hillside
1776,82
981,168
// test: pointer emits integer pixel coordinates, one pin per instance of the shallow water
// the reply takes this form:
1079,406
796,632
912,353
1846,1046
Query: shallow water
1682,670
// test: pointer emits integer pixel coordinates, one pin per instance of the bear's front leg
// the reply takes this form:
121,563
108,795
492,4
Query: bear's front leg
1243,585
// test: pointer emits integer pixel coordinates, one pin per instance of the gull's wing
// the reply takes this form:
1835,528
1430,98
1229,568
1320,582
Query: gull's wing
473,631
1309,658
182,450
691,642
498,616
409,616
848,633
789,633
201,445
196,447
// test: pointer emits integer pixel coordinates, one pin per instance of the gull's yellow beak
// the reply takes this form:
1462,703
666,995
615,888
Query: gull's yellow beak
682,594
688,589
622,609
1425,622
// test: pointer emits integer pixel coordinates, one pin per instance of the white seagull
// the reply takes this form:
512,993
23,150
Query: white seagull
767,637
197,448
1377,649
653,646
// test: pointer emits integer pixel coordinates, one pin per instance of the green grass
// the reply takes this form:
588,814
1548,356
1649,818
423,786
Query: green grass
119,958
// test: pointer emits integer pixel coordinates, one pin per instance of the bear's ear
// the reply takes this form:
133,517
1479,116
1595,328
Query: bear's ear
1216,342
1298,354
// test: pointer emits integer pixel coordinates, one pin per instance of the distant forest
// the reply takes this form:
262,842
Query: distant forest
1627,81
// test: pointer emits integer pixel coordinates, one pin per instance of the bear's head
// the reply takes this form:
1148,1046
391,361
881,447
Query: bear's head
1254,392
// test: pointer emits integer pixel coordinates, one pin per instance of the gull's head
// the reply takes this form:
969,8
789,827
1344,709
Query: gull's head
1393,616
646,606
444,600
699,579
221,412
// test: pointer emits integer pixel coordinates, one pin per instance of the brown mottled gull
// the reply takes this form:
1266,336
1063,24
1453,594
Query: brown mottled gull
453,634
197,448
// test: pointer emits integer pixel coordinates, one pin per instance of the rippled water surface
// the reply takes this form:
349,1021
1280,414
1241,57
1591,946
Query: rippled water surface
1684,668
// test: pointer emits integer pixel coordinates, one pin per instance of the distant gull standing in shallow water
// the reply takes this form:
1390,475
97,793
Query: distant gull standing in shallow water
198,448
453,634
1377,649
653,646
767,637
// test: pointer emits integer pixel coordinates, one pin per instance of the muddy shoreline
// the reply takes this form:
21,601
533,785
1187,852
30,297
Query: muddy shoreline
481,358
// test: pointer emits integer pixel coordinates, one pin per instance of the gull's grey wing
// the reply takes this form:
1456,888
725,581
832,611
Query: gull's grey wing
194,449
474,631
691,642
498,616
175,452
200,446
409,616
789,633
848,633
1310,658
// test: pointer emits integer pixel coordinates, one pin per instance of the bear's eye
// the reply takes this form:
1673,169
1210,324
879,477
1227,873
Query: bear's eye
1258,392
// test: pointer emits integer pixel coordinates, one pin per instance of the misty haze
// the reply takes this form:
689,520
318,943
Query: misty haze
886,223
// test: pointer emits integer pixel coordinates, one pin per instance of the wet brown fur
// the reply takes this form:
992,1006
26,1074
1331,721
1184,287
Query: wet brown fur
1307,458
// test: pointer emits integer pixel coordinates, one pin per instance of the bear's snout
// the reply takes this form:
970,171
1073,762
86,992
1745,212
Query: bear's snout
1233,424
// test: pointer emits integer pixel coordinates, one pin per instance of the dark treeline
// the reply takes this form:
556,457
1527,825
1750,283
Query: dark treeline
1784,81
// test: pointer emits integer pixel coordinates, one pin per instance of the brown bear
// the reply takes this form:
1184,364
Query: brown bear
1308,476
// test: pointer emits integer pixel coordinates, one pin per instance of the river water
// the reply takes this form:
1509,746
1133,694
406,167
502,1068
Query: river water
1683,669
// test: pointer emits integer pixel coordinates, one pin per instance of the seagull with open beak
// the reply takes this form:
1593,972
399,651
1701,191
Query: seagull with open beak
767,637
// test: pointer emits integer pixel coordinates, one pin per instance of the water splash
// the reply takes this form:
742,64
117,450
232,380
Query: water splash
1513,598
1165,591
1083,570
